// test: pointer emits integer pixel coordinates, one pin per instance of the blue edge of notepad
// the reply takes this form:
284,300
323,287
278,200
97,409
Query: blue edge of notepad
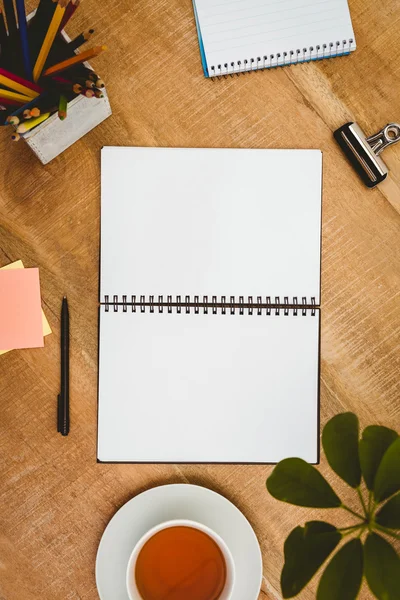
203,54
201,45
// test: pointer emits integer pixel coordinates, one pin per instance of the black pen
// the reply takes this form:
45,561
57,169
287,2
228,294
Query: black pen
63,397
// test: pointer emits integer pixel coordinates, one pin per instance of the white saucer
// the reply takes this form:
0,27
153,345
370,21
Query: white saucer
179,501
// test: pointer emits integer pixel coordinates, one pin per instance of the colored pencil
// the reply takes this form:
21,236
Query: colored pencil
59,79
39,25
29,84
31,104
37,53
6,102
23,32
15,137
95,78
28,125
75,60
68,85
80,39
47,42
3,31
14,96
69,11
10,17
62,107
17,87
91,74
84,82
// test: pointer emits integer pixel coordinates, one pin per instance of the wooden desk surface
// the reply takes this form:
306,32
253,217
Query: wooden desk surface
55,500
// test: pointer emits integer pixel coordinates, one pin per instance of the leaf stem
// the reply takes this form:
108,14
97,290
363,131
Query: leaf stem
356,514
369,502
362,502
351,528
362,531
386,531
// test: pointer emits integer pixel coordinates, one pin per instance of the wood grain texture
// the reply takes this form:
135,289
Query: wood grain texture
55,500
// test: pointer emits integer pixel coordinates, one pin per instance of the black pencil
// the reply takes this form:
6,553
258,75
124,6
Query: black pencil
3,31
80,39
63,397
39,25
10,16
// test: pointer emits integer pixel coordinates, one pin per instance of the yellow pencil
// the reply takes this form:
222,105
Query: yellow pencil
17,87
14,96
27,125
79,58
48,41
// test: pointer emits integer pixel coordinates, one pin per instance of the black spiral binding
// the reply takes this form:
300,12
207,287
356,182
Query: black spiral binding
262,305
284,59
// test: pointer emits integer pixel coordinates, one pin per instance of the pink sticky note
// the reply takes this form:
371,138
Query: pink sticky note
20,309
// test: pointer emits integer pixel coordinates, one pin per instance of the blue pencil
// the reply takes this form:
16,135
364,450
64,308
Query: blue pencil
23,32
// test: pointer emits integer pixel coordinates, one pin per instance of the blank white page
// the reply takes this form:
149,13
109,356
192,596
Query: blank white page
236,31
210,222
207,388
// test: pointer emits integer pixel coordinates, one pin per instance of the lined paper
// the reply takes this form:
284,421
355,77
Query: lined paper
252,33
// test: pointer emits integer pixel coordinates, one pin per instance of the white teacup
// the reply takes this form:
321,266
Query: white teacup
226,594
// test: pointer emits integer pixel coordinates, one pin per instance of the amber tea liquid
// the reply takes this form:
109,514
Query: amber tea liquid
180,563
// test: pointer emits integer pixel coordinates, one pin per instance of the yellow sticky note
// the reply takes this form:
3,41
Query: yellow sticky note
18,264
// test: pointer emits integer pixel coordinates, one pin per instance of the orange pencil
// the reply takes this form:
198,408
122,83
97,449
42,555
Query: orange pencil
75,60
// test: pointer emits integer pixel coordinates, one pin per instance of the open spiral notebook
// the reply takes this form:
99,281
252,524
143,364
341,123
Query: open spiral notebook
237,36
209,305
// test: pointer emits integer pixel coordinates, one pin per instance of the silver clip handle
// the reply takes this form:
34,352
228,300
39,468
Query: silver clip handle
389,135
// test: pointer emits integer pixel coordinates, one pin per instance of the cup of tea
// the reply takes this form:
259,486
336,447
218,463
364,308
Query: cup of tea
180,559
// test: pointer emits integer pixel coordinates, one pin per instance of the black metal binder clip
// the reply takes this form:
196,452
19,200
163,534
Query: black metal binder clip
363,152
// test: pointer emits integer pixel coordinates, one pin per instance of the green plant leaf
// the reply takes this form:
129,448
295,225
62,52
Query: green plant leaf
306,549
389,514
295,481
382,568
387,480
342,578
372,446
340,442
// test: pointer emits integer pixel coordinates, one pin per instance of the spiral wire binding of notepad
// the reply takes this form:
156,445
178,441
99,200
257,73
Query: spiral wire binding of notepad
284,59
262,306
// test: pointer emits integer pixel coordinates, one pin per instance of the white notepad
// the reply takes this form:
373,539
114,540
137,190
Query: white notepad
245,35
209,305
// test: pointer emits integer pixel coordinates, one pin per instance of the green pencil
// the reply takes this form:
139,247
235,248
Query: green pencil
62,107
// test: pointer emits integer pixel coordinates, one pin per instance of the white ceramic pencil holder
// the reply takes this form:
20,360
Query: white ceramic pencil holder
53,136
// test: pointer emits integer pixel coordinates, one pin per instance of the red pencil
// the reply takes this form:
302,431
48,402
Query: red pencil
6,102
69,11
29,84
